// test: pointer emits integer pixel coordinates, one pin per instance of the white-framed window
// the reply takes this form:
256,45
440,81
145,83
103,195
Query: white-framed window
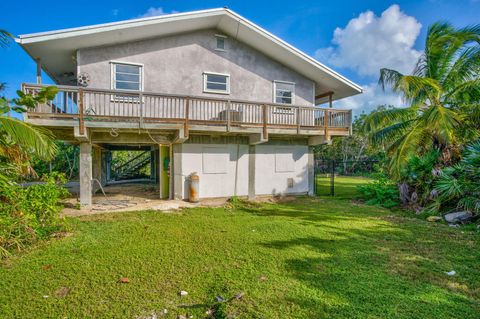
284,92
216,83
220,42
126,76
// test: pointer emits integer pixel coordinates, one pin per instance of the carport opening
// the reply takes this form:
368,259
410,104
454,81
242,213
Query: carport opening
137,169
130,166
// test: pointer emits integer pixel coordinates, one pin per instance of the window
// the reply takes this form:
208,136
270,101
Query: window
127,76
284,92
220,42
216,83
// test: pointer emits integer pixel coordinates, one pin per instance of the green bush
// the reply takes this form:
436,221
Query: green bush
381,192
28,214
458,186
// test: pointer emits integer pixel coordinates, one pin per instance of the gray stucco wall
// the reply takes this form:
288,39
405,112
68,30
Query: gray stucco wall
175,65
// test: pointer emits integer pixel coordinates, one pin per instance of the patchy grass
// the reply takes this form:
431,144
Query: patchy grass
345,186
310,258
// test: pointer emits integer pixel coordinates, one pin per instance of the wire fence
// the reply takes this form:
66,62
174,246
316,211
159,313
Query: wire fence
334,175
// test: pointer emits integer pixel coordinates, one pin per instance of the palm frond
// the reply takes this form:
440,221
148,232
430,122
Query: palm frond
5,38
465,92
389,78
380,119
438,37
391,132
465,68
414,89
470,203
35,139
442,121
403,148
418,89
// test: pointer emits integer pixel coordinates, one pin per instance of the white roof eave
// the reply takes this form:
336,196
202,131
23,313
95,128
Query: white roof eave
67,41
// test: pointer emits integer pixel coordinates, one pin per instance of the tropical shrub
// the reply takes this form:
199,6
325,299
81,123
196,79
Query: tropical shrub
65,160
28,214
417,179
381,192
458,186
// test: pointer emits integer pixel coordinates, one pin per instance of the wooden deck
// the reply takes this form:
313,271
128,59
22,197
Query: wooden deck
85,105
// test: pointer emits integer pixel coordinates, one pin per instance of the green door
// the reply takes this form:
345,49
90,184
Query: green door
164,171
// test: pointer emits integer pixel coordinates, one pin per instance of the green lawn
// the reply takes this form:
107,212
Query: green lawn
345,186
311,258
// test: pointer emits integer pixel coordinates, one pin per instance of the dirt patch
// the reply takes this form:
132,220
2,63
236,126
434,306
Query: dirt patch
145,196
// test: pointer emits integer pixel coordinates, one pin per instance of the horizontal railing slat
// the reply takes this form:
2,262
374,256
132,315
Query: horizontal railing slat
128,105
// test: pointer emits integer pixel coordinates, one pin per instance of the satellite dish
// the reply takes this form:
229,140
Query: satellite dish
83,79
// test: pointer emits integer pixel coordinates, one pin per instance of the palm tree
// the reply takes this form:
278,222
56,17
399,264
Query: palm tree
19,140
443,94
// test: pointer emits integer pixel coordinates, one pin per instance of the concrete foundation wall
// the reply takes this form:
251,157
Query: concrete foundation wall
217,167
218,170
276,164
176,65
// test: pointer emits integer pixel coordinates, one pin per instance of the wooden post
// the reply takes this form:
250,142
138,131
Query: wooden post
140,97
350,129
330,100
187,115
265,131
39,71
228,116
298,120
80,112
327,120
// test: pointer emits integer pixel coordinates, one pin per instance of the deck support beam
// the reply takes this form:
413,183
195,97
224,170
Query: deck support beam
85,172
176,177
318,140
251,172
257,138
180,136
97,167
311,171
79,136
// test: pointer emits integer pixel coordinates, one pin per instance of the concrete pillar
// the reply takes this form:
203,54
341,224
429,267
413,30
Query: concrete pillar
153,165
85,172
108,165
311,171
251,172
96,168
103,179
176,177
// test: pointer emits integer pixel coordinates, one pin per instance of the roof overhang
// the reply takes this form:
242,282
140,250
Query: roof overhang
57,49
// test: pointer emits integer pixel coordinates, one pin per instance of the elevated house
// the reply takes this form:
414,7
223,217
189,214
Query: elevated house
207,92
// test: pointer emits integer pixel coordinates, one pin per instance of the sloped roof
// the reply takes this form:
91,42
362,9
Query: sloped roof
57,49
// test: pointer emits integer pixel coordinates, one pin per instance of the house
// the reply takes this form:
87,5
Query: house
207,92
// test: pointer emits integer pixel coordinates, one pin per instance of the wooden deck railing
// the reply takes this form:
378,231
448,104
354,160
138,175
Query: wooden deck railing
87,104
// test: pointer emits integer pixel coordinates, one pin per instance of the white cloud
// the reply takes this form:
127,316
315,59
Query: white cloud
152,12
372,97
371,42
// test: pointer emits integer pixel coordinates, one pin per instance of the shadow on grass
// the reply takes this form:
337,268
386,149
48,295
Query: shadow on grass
317,210
358,272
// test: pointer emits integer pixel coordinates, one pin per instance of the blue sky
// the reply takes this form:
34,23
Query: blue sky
369,34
